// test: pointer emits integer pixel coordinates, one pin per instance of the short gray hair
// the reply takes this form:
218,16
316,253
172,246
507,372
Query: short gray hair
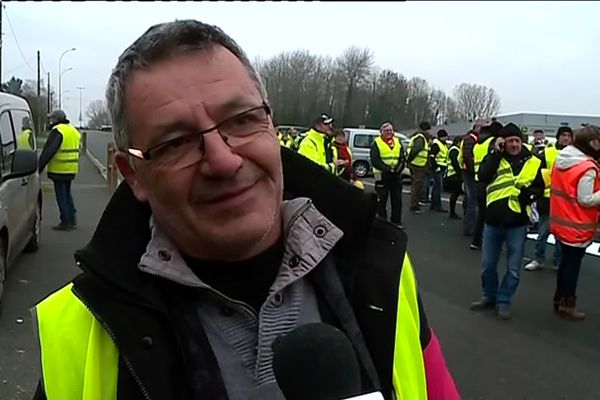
160,42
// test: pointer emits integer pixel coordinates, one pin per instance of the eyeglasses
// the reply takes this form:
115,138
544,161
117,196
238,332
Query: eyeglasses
187,150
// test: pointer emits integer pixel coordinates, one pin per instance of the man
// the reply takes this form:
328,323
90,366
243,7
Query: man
480,151
453,179
418,154
292,135
513,179
61,155
467,161
539,142
198,265
344,171
564,138
25,139
317,145
438,161
387,157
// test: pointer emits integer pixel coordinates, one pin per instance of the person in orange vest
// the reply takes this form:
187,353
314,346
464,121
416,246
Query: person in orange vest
574,201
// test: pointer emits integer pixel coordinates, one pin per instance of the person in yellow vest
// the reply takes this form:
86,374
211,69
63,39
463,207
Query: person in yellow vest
418,162
291,142
453,179
25,139
481,149
61,155
564,137
198,264
388,160
317,144
438,161
513,180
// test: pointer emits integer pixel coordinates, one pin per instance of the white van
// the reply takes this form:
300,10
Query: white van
360,141
20,189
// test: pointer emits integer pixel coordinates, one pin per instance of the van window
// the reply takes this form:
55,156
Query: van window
7,142
364,141
22,120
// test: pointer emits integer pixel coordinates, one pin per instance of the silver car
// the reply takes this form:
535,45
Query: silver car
20,189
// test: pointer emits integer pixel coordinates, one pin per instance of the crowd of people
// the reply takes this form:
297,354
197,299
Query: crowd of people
509,187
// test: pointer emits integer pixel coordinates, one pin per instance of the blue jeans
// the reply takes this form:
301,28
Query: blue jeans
436,192
425,189
493,238
540,244
470,199
64,199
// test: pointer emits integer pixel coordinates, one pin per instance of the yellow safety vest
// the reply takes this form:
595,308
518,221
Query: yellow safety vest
23,140
451,171
80,360
390,157
441,158
66,159
506,185
313,146
528,146
287,142
480,150
420,159
550,153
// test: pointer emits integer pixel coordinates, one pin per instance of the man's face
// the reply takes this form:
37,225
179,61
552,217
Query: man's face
292,132
538,136
387,132
565,139
513,145
226,206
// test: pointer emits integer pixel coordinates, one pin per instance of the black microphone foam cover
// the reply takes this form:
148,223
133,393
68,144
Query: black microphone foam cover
316,361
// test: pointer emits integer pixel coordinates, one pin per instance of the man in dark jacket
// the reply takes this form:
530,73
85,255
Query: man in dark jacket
514,180
61,155
468,176
438,164
199,264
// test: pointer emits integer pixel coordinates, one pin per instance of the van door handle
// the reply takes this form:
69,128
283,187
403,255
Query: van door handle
24,181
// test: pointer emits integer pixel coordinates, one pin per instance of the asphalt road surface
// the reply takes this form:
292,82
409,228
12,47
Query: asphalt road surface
534,356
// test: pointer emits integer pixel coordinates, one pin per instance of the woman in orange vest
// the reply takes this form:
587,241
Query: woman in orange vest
574,213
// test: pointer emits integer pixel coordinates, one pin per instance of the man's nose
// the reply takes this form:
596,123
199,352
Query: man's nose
219,160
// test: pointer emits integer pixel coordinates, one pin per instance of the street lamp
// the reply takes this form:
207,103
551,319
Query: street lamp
60,92
60,75
81,89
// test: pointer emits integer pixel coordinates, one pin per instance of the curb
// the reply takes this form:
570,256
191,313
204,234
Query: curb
99,166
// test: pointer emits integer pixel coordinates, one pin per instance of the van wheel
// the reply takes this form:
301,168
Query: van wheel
2,273
36,230
361,169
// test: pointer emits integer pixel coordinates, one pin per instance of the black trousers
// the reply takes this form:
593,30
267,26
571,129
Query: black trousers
568,270
480,219
390,185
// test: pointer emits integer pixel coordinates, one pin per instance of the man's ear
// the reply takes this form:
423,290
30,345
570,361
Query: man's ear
123,161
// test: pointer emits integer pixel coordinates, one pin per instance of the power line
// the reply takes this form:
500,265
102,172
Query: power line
8,71
16,40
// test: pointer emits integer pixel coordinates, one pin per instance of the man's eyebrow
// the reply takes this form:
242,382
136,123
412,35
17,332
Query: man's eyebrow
234,105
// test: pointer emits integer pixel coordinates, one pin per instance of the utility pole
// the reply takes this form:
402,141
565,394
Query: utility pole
39,99
81,89
48,94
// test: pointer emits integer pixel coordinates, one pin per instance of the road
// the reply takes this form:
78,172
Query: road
533,356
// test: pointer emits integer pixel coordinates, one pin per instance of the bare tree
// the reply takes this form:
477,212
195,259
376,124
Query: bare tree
419,101
354,64
476,101
13,85
98,114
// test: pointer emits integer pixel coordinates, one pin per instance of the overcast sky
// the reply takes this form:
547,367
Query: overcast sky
538,56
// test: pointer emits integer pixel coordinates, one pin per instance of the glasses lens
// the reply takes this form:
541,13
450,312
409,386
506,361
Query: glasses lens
178,153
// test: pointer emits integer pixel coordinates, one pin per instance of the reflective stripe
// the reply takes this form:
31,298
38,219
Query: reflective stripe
409,378
480,150
390,157
563,194
420,159
79,359
572,224
313,147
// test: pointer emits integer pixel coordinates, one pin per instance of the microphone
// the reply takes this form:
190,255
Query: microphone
317,362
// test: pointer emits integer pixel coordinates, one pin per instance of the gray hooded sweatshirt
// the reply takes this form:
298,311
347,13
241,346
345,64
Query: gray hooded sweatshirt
568,158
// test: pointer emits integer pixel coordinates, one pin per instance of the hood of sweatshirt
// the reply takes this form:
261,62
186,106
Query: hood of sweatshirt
569,157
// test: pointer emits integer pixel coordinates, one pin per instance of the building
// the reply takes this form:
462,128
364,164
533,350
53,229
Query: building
528,122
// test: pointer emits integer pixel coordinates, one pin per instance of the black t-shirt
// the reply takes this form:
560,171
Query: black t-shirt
248,281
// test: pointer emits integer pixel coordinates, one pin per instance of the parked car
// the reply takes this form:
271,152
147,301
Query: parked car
360,141
20,189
